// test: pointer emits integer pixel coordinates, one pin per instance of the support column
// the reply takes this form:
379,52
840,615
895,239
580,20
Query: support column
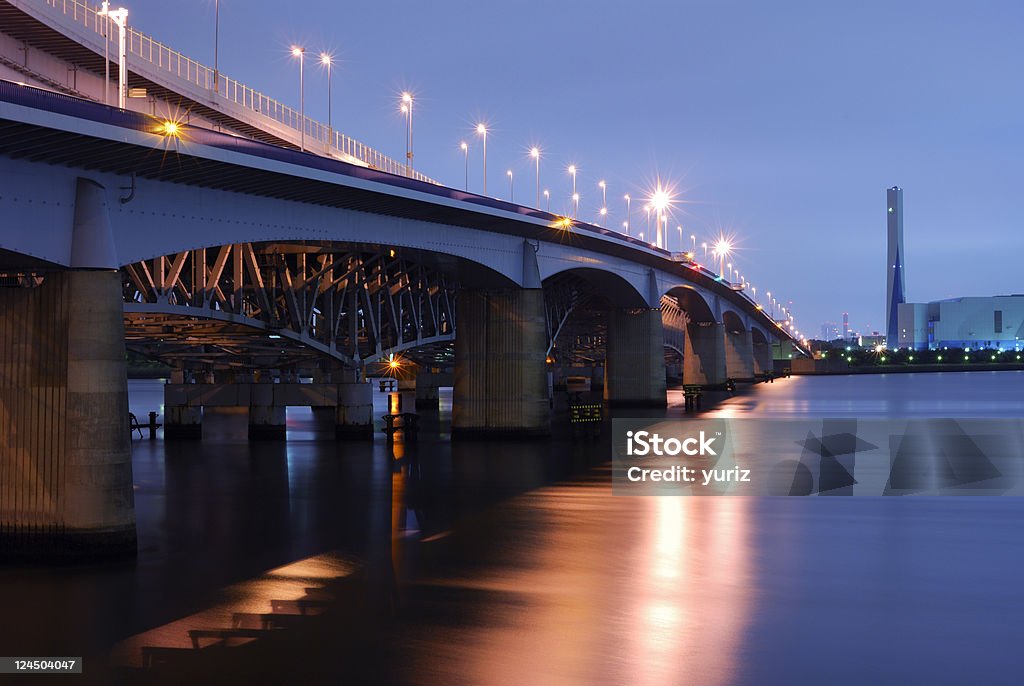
427,393
65,453
704,354
762,357
500,371
739,355
266,420
635,359
354,414
182,422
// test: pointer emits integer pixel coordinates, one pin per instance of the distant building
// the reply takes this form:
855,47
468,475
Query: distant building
873,341
895,288
829,332
846,326
992,322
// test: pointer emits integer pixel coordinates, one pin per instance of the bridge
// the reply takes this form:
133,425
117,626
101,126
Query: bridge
213,243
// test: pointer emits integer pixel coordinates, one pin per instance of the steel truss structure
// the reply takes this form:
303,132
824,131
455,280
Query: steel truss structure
252,305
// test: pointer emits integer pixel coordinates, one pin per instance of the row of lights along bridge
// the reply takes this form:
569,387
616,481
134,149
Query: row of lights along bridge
658,203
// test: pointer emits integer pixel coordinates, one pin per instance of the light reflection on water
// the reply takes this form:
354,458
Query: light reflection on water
515,564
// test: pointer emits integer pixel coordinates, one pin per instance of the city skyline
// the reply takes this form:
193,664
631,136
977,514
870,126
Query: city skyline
761,142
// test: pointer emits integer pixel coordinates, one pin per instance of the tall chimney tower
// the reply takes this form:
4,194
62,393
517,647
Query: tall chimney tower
895,291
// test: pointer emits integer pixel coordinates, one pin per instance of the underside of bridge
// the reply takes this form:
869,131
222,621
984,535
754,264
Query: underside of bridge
294,306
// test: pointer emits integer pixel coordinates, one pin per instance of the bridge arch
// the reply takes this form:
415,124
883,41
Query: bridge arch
733,322
287,303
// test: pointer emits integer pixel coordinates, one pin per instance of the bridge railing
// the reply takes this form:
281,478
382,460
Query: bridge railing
172,63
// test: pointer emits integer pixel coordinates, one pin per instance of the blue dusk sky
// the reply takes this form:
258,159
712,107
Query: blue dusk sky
780,123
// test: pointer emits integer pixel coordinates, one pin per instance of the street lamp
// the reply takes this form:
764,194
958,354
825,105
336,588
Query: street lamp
547,198
705,246
693,239
575,204
604,197
679,228
301,54
120,19
627,212
535,154
722,250
407,103
481,130
325,60
216,46
465,151
575,196
511,189
660,200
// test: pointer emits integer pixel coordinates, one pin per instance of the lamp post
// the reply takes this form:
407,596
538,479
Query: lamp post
301,54
575,204
705,246
604,198
511,188
120,19
407,102
575,196
481,129
325,60
627,213
693,240
216,46
722,250
106,53
679,228
465,151
535,154
647,208
547,199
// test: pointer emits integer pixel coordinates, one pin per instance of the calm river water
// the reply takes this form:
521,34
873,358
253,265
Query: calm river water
512,563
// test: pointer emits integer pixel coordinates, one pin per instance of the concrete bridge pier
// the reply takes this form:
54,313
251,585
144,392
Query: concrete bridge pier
182,422
65,453
635,360
704,354
266,419
739,355
762,351
353,418
500,384
428,384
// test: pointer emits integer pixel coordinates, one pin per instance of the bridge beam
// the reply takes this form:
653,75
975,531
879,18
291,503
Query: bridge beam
635,359
704,354
500,384
65,453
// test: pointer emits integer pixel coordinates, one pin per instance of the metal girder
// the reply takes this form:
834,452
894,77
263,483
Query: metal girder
280,304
